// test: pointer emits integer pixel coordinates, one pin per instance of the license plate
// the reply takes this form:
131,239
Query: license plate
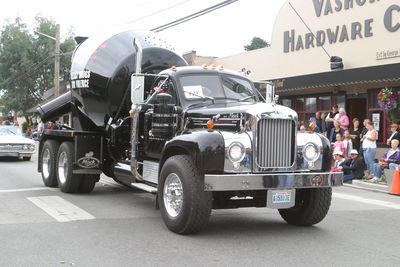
281,196
281,199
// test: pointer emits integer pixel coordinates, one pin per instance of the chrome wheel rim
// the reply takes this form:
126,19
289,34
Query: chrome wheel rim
173,195
62,167
46,163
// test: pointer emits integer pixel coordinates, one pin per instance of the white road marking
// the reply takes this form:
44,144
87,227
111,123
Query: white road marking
60,209
24,189
375,202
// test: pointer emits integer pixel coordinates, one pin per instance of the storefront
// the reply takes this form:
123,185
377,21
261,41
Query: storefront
364,34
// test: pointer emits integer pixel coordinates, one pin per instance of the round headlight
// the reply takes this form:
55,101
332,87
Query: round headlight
236,152
31,147
310,152
25,147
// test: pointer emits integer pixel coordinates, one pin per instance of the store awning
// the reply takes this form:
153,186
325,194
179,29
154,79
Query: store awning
373,74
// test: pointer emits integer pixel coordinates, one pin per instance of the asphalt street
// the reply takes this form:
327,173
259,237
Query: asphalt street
118,226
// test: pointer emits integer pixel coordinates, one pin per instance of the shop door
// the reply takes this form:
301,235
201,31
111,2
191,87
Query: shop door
356,108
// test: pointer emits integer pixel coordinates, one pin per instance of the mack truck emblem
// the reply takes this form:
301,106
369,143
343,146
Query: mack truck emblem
88,161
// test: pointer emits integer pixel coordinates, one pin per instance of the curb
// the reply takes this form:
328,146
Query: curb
359,184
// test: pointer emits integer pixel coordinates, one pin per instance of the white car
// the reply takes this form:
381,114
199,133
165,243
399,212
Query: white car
14,144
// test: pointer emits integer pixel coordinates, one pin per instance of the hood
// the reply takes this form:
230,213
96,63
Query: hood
259,110
15,139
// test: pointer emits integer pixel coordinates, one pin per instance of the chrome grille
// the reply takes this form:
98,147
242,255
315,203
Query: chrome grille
275,143
13,147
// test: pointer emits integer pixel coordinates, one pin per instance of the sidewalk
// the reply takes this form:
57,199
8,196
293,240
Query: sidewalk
362,184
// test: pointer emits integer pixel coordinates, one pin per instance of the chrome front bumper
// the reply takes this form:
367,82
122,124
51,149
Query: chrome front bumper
15,154
242,182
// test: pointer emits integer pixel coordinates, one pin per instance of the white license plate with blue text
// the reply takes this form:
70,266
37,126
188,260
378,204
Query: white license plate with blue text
281,196
281,199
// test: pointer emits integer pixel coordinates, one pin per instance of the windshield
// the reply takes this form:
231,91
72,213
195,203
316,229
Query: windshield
199,88
10,130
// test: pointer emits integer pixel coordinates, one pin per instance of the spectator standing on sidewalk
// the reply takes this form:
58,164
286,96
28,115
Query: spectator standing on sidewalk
320,122
355,132
352,168
343,119
339,145
348,144
363,132
394,135
334,131
369,147
330,119
389,160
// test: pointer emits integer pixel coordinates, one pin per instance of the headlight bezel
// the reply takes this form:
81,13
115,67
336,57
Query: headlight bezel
311,148
242,142
239,147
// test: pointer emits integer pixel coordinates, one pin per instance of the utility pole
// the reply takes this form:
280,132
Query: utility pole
57,62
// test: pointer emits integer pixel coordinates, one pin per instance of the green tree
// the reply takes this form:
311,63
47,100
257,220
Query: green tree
256,43
27,63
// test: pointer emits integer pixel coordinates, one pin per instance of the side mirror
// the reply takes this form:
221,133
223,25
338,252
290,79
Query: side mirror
137,89
270,93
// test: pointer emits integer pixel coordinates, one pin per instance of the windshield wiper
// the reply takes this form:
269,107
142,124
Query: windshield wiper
201,96
247,97
197,104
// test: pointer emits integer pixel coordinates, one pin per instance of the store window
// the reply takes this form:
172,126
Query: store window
286,102
299,104
324,103
311,104
339,100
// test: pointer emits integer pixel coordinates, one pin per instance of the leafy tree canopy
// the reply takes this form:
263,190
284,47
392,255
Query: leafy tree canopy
256,43
27,63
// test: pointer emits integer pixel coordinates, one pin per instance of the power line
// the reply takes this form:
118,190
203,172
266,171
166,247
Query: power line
30,71
193,16
36,66
309,29
157,12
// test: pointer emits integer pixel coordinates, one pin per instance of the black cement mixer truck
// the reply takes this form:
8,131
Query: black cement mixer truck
200,138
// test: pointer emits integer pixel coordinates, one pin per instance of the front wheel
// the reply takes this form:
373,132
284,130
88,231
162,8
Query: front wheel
312,205
185,206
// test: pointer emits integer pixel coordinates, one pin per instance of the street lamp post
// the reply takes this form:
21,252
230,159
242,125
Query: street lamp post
56,59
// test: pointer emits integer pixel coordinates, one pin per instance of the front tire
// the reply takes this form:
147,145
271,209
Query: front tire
312,205
67,181
48,158
184,205
26,158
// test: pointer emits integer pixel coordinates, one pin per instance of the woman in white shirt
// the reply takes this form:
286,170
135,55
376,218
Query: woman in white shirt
369,147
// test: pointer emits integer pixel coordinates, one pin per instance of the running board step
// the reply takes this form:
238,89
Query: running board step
145,187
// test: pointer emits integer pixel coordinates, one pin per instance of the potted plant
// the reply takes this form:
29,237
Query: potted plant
388,101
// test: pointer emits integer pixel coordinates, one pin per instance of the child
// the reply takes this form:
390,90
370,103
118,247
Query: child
348,144
338,161
339,145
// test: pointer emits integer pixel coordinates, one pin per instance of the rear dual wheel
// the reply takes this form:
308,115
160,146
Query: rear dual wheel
69,182
47,159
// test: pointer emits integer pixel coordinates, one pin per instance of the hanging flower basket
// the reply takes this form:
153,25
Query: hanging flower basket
388,101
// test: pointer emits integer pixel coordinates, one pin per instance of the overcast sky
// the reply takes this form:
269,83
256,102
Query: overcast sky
220,33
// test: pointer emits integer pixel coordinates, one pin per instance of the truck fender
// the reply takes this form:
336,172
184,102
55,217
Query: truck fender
207,150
